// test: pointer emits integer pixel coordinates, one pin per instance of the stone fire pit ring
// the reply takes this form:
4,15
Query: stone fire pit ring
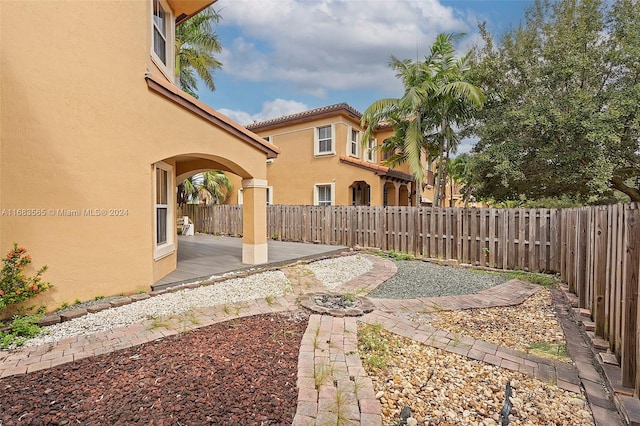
336,304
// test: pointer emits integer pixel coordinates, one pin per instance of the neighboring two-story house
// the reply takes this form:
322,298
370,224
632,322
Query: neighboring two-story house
95,135
323,162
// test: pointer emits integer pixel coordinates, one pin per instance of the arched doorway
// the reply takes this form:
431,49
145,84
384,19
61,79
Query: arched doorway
360,193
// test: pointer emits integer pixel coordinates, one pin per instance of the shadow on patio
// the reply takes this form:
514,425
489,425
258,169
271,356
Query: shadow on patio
201,256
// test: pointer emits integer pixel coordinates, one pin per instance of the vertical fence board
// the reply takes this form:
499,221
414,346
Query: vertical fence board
630,292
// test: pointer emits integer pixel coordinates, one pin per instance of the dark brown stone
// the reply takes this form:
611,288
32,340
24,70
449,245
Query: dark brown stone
121,301
69,315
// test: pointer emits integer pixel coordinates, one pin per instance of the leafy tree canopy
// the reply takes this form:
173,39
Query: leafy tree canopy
562,116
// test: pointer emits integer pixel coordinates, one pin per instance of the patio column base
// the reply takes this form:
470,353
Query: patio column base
254,254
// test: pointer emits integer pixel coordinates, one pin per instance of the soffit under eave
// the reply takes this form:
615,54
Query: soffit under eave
184,9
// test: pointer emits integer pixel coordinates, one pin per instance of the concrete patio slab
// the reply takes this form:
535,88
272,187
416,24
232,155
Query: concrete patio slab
201,256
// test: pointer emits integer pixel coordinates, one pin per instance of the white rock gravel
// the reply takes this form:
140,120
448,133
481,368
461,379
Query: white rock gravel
338,270
270,283
332,272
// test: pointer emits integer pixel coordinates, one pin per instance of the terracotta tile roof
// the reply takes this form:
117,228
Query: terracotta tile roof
377,168
306,115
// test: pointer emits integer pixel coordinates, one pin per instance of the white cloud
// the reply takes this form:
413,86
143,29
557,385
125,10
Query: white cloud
331,44
270,109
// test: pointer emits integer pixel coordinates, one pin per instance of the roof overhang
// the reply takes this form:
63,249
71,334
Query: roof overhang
377,169
204,111
184,9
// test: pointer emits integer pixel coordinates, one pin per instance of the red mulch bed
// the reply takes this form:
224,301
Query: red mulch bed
241,372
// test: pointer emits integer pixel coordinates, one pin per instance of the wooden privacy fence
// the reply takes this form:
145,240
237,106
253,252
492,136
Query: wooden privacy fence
596,250
600,260
523,239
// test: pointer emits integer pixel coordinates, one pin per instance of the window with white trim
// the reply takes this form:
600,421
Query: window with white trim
162,37
371,151
163,184
323,194
354,142
324,140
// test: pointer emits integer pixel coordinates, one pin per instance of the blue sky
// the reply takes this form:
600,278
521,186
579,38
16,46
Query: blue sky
285,56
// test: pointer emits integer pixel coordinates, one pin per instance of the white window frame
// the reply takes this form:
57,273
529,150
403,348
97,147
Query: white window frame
316,193
316,143
168,68
167,247
371,150
351,144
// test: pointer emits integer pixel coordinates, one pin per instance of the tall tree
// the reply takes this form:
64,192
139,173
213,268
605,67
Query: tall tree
460,173
212,187
563,111
437,99
196,44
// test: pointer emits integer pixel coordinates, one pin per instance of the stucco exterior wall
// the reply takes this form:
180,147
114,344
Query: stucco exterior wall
297,169
80,129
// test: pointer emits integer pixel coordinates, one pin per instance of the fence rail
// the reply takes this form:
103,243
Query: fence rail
523,239
596,250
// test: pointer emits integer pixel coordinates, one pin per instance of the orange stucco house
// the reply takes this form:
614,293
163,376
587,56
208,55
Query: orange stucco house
323,162
95,135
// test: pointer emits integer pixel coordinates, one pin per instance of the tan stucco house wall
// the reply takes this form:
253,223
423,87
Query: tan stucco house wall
319,165
91,125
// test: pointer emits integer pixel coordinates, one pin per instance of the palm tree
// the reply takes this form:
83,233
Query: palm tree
437,98
213,187
196,43
460,173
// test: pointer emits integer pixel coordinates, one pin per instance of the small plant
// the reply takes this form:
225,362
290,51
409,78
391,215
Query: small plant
188,317
64,305
315,338
21,329
269,299
549,350
226,309
374,348
77,301
157,322
15,286
349,297
98,298
275,236
393,255
321,374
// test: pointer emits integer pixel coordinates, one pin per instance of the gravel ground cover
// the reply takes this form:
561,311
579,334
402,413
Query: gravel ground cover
440,388
270,283
416,279
338,270
446,389
528,327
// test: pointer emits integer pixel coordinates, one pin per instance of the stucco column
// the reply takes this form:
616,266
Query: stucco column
396,185
254,221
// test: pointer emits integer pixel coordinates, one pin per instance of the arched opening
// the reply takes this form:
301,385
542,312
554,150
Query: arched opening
389,194
403,196
178,253
360,193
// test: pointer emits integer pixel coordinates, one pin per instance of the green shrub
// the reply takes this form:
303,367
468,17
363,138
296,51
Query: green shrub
21,329
15,286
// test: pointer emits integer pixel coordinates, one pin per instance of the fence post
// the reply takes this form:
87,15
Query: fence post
630,297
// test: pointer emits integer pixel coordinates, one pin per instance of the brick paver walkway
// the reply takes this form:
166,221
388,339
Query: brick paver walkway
332,383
